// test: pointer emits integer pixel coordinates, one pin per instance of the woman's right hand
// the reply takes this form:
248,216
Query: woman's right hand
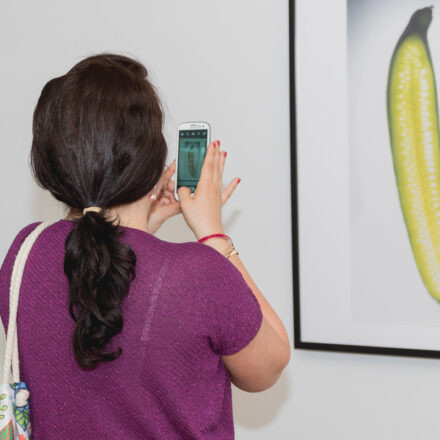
202,209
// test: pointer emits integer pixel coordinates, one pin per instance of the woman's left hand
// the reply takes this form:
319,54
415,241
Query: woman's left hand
165,205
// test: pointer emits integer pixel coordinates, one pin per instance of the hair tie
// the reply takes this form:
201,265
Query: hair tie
91,208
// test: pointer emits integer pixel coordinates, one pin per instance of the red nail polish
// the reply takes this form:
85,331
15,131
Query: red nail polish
225,153
239,180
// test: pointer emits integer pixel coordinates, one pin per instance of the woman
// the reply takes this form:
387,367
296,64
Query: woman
122,334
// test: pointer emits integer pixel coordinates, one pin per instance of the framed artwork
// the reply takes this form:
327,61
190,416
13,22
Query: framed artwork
365,161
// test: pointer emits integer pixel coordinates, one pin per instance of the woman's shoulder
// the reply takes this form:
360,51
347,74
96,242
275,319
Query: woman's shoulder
20,236
22,233
186,250
205,262
198,251
191,256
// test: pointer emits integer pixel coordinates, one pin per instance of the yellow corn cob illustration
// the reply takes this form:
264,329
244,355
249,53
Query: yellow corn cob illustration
414,135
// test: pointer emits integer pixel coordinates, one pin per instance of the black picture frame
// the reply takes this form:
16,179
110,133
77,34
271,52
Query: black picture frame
298,341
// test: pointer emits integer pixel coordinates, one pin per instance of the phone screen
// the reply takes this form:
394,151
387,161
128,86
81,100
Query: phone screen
192,151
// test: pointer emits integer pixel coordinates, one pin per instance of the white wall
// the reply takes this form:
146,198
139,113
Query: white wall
238,80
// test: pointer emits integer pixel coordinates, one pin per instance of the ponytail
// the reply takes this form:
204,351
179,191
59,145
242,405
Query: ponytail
99,267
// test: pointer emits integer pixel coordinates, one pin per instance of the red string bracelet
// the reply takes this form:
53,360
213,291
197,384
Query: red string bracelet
215,235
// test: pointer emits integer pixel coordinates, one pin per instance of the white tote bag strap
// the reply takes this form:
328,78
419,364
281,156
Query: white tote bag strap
11,350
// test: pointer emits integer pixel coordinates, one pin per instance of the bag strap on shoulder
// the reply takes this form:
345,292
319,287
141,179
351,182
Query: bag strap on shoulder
11,351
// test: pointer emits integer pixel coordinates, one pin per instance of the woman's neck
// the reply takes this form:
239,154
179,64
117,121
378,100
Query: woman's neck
133,215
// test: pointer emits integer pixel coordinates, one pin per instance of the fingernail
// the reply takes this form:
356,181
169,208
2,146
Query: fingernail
239,180
218,142
225,153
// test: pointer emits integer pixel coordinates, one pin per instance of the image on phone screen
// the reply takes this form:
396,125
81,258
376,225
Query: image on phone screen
192,151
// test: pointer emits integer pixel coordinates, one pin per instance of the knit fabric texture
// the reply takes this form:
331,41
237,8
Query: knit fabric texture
187,305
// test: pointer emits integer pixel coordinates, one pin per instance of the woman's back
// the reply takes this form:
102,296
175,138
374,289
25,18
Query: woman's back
185,308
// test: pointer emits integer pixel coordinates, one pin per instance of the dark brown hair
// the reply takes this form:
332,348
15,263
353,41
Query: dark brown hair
97,141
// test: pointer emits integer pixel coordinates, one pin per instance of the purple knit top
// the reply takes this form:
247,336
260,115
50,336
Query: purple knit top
187,305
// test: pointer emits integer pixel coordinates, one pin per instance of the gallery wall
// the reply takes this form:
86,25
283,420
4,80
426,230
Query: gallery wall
226,63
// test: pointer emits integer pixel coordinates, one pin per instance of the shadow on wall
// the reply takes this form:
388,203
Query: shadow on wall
255,410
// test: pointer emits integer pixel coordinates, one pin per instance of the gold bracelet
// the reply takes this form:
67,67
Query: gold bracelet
230,251
230,248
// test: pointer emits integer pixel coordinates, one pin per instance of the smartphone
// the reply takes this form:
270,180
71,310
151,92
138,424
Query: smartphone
194,138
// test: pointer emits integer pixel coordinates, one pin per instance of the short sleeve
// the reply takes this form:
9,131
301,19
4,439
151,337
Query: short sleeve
233,312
